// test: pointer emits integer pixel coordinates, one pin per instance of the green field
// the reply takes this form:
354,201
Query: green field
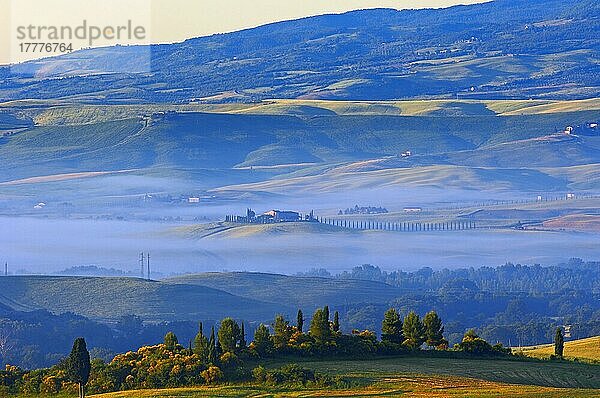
295,292
547,374
582,349
421,107
111,298
45,114
422,377
408,386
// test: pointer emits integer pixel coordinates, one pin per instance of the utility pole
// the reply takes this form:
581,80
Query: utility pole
148,258
142,263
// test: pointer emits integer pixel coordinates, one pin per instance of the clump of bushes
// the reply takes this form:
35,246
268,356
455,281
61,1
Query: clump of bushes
473,344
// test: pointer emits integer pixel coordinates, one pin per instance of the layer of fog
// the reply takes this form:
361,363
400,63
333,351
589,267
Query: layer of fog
46,246
56,237
142,197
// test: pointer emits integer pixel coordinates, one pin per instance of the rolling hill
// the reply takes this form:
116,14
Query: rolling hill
457,177
501,49
234,230
305,292
246,147
250,296
108,299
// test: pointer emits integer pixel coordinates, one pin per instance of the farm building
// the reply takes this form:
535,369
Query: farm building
271,217
413,209
282,216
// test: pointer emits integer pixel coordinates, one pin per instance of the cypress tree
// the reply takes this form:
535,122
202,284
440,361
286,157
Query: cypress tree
300,321
201,345
79,366
559,343
212,348
319,325
218,347
171,341
326,315
243,342
281,332
336,322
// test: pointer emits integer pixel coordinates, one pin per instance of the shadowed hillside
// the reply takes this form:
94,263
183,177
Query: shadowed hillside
189,141
111,298
292,291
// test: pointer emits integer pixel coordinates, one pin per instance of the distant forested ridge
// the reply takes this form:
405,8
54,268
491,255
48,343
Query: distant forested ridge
499,49
509,278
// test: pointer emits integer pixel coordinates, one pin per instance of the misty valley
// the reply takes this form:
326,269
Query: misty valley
380,202
383,216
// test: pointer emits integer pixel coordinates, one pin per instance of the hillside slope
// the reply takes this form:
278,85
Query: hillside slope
234,230
457,177
586,349
307,293
201,141
499,49
111,298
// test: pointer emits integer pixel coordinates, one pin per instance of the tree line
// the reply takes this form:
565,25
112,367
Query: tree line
224,354
585,275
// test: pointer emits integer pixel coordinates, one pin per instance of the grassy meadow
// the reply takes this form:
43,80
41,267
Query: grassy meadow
405,386
111,298
582,349
419,377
